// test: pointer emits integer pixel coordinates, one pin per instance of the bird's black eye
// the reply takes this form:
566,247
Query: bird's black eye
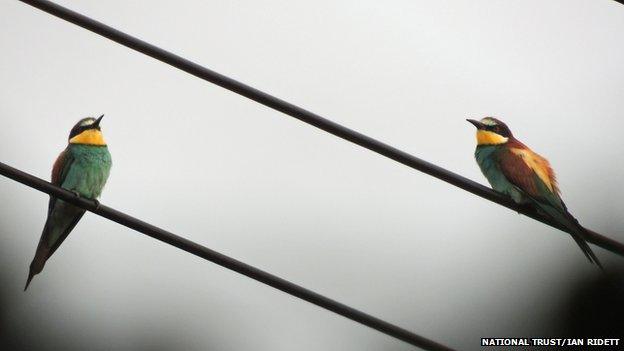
504,131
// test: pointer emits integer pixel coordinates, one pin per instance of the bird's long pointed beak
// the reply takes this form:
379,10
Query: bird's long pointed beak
97,121
476,123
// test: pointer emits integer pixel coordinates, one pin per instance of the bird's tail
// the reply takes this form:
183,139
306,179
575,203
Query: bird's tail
580,237
578,233
38,262
31,274
62,218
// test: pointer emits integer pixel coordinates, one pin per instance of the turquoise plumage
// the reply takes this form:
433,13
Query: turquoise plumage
83,168
515,170
88,168
487,159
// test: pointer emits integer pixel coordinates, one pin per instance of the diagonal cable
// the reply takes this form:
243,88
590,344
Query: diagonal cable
306,116
222,260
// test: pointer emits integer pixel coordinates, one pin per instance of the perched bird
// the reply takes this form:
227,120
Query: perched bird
83,168
515,170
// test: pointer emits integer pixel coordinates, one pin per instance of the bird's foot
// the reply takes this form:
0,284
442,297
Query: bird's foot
97,204
76,193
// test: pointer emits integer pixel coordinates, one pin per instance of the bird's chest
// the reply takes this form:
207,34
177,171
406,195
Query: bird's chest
90,170
93,162
487,160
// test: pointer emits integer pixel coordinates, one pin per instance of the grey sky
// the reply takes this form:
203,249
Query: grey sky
260,186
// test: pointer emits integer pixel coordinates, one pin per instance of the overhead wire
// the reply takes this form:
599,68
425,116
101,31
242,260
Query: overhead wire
302,115
309,117
222,260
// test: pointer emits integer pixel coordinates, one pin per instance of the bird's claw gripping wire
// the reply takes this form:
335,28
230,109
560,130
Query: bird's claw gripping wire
96,202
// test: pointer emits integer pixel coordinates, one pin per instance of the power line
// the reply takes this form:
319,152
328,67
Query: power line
222,260
307,117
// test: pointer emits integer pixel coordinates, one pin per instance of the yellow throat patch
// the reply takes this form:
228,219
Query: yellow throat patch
89,137
485,137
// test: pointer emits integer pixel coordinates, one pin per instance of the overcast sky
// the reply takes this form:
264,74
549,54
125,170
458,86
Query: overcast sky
271,191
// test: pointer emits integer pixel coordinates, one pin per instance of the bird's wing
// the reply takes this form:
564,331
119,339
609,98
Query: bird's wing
532,174
62,217
60,169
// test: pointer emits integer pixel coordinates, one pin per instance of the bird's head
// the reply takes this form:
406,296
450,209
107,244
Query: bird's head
87,132
491,131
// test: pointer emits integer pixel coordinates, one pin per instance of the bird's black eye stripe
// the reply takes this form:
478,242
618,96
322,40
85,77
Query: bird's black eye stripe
79,129
87,127
498,130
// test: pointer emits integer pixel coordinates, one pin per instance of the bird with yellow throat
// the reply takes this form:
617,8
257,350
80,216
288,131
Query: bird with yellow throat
82,168
513,169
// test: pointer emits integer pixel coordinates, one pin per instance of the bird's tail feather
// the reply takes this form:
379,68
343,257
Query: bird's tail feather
30,276
581,239
56,229
578,233
38,262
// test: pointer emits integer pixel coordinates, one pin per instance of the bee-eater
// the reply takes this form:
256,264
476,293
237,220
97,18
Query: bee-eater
515,170
82,168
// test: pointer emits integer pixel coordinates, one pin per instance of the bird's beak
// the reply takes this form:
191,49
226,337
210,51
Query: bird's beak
96,124
476,123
